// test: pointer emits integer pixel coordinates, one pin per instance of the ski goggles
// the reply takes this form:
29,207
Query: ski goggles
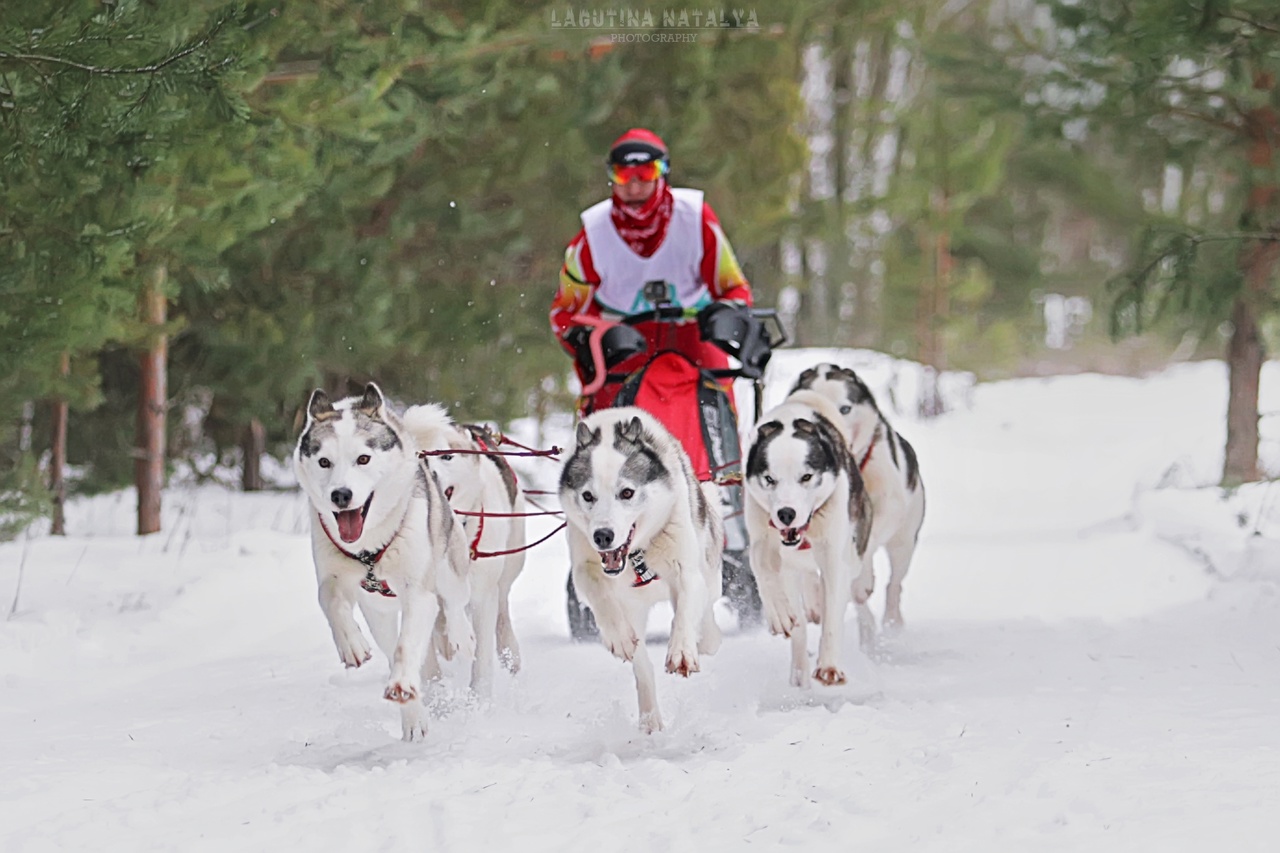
624,174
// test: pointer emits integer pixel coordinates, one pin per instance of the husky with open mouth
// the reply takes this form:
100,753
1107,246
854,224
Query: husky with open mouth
383,538
890,472
806,507
642,529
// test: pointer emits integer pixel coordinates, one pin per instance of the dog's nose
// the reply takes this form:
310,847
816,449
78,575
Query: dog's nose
341,498
786,515
603,538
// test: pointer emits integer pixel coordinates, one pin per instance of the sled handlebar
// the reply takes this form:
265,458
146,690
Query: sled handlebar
777,335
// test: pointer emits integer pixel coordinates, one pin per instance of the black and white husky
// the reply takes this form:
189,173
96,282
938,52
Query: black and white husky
890,471
806,506
476,482
383,538
642,530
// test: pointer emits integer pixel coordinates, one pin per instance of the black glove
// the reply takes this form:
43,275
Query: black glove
732,327
620,342
725,324
579,340
576,336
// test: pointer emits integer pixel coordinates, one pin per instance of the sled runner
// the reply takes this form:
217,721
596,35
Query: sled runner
634,361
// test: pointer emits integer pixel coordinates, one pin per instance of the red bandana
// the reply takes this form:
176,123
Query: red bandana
643,228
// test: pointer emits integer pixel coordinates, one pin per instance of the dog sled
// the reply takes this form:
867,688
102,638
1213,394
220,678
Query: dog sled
696,404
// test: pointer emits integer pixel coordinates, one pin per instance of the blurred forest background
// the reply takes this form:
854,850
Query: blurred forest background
206,210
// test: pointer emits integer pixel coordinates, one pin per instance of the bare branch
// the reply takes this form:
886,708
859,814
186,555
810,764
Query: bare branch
1266,28
36,58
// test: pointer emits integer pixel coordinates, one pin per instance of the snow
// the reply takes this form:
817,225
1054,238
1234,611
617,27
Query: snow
1090,662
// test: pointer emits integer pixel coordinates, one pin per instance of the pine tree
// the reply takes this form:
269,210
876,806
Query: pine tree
1180,101
94,96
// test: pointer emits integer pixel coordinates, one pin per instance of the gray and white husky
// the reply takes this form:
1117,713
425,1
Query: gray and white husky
480,483
890,471
384,538
642,529
806,507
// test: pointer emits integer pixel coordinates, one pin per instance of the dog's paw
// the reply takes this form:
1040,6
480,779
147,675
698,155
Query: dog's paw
510,658
457,642
353,648
829,675
401,690
863,587
621,645
682,662
413,724
781,620
651,722
866,630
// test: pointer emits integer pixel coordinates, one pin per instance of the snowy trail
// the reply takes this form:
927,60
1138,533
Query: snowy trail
1068,679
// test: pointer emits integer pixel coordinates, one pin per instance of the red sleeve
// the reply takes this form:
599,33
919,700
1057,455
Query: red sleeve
578,281
720,270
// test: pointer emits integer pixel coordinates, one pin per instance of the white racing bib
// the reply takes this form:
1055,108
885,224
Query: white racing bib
677,261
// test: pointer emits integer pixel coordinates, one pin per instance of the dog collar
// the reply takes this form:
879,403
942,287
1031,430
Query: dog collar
368,559
645,574
866,457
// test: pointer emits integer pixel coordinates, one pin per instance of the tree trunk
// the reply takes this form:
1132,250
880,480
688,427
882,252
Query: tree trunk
840,246
1244,363
58,462
816,303
1245,351
932,308
253,443
152,398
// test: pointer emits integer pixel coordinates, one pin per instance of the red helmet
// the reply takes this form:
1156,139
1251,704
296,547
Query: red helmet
638,146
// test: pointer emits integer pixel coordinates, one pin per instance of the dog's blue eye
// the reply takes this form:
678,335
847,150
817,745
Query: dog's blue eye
769,481
446,457
324,463
806,478
364,459
844,410
588,497
627,494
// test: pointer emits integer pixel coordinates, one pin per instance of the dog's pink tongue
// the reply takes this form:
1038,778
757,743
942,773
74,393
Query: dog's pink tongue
350,524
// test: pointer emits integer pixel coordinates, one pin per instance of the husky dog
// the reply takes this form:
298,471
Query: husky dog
804,494
891,474
642,530
384,538
476,483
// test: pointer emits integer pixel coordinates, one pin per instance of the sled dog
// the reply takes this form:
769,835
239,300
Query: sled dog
642,530
479,483
383,538
806,505
890,472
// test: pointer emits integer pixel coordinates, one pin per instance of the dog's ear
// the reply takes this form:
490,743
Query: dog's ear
806,378
320,407
371,403
630,431
587,436
481,434
804,427
767,431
